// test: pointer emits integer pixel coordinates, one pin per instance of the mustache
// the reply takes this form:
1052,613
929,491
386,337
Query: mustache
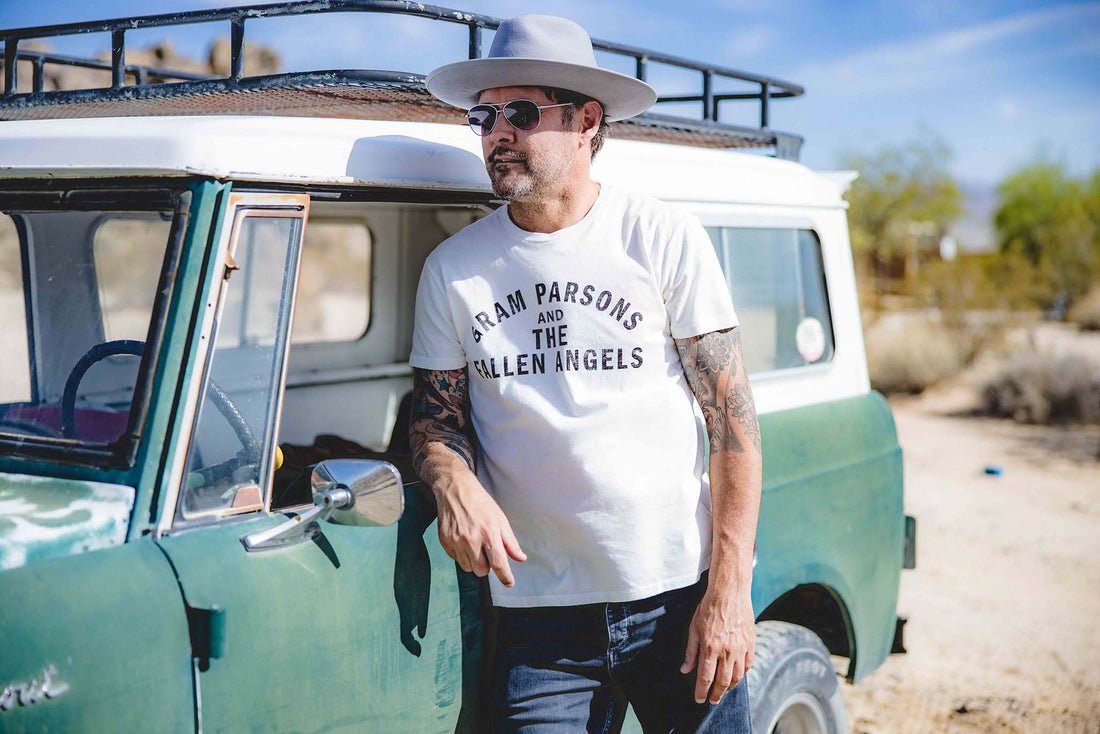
503,153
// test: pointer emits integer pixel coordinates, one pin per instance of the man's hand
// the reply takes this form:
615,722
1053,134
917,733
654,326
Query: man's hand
720,644
474,531
472,528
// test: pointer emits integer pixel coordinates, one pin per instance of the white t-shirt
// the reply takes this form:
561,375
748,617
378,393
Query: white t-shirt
590,439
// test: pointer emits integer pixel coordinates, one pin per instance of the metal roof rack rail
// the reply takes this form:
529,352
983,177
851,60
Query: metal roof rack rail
390,95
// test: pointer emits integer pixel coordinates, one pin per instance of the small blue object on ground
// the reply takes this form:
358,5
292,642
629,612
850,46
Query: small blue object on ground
994,471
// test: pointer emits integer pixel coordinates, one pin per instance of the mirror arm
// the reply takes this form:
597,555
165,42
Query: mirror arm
304,526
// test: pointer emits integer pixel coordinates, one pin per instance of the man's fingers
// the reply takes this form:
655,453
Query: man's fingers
723,678
691,653
498,561
511,545
704,678
739,672
479,562
459,558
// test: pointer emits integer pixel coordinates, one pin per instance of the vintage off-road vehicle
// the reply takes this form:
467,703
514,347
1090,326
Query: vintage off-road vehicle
208,520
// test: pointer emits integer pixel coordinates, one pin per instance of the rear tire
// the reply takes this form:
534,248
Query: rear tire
792,686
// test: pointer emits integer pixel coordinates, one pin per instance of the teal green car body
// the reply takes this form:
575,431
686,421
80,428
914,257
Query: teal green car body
831,517
107,625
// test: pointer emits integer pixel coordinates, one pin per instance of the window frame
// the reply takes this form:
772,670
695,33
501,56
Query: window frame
240,206
100,196
797,225
28,304
363,222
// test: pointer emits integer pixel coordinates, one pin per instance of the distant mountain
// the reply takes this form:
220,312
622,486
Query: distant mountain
258,60
974,231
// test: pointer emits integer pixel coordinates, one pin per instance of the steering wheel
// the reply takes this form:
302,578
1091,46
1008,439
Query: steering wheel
250,451
250,447
95,354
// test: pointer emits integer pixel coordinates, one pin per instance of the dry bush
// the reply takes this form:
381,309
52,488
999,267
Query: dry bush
1043,388
988,281
910,358
1086,312
978,298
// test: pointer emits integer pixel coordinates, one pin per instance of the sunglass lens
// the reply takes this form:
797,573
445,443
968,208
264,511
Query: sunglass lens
481,119
522,114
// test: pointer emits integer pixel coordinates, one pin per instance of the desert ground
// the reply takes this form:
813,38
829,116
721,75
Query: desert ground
1004,604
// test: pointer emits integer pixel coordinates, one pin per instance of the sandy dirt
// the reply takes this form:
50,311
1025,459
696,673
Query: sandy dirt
1004,605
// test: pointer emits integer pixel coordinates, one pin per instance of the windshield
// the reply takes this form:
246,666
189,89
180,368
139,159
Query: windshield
78,287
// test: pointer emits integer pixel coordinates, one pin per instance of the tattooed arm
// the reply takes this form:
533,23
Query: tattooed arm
472,528
721,637
440,416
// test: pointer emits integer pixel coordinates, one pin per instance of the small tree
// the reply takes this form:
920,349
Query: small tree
1052,220
903,201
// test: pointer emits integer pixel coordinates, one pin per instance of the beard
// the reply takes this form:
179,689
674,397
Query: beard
517,176
511,180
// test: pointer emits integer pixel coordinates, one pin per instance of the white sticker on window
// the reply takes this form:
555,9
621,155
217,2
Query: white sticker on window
810,339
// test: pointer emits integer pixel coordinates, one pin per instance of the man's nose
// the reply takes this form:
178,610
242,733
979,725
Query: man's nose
502,130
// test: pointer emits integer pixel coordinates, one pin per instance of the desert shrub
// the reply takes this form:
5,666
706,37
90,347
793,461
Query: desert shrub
977,298
982,282
910,358
1043,388
1086,312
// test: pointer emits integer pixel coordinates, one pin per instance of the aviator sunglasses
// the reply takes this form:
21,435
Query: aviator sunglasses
522,114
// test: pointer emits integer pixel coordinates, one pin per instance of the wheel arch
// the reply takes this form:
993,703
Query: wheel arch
820,608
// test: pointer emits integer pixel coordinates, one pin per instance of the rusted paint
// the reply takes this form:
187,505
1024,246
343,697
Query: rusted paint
45,517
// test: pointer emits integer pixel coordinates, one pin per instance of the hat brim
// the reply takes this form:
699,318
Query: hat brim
461,83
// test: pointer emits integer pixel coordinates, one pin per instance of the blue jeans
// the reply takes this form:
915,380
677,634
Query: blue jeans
574,669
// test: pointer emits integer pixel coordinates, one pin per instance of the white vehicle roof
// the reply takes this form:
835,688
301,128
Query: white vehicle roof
376,153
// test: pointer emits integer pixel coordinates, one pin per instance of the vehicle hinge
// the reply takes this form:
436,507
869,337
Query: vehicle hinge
231,266
909,559
898,648
207,628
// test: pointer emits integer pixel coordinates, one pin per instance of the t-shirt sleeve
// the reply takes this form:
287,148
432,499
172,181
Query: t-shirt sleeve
436,345
697,298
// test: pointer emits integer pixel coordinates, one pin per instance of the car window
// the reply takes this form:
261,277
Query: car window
334,293
777,280
230,450
122,248
91,280
15,367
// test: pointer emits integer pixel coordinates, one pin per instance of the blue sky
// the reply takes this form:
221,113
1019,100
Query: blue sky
999,81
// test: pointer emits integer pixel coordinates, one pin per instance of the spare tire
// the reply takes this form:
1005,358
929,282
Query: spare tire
793,688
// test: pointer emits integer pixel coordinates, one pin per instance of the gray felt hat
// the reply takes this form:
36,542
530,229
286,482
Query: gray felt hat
542,51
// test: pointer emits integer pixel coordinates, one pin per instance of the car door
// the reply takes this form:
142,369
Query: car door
92,642
311,633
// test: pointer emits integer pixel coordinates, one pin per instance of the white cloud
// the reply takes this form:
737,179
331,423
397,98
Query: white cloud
927,61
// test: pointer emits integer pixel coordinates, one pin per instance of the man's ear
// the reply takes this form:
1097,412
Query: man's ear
591,115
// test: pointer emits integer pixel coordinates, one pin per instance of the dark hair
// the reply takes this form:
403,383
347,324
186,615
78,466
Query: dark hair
578,101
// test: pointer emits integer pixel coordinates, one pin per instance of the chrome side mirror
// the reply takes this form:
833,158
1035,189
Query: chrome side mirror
362,492
346,492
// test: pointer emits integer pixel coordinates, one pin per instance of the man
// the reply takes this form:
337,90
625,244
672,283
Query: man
568,332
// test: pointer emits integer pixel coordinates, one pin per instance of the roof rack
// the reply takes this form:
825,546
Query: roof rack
393,96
